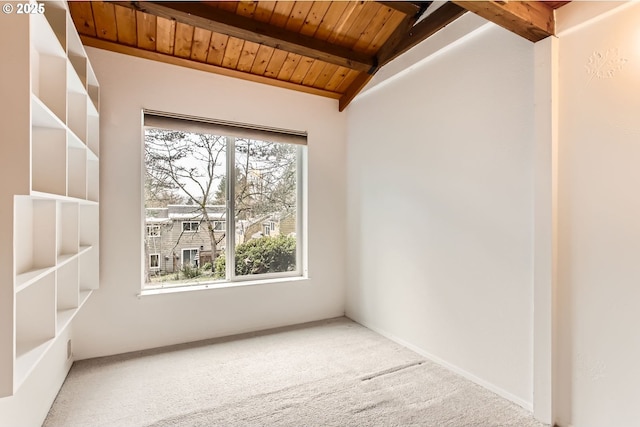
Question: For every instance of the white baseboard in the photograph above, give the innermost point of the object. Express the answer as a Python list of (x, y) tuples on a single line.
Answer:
[(486, 384)]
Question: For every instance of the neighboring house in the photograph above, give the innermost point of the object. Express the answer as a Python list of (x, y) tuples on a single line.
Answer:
[(267, 225), (177, 236)]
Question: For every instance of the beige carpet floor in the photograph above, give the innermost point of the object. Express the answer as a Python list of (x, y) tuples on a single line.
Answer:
[(329, 373)]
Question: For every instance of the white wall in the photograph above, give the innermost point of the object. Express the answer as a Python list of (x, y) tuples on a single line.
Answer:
[(440, 175), (115, 319), (598, 374)]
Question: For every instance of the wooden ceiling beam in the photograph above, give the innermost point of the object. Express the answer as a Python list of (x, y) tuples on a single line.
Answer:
[(440, 18), (532, 20), (407, 35), (220, 21), (406, 7)]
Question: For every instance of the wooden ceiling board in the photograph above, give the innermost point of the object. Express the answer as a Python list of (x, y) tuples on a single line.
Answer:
[(385, 32), (298, 15), (313, 73), (301, 70), (346, 82), (373, 29), (174, 60), (327, 73), (264, 10), (330, 20), (82, 16), (248, 56), (232, 52), (201, 42), (281, 13), (165, 35), (146, 25), (246, 8), (336, 79), (314, 18), (262, 60), (217, 48), (184, 40), (346, 20), (275, 63), (104, 17), (126, 25), (360, 24), (289, 66)]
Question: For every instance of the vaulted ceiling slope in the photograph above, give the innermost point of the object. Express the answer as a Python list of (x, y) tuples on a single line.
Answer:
[(328, 48)]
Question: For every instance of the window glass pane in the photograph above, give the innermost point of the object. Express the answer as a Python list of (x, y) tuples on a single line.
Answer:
[(185, 199), (265, 207)]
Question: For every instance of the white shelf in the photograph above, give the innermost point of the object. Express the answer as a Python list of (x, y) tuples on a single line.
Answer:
[(77, 111), (44, 39), (26, 279), (67, 229), (42, 116), (77, 173), (35, 234), (49, 82), (49, 160), (38, 195), (52, 229), (67, 286), (28, 354), (76, 81)]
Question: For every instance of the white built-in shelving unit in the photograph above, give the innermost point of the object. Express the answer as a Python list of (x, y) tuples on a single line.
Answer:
[(49, 185)]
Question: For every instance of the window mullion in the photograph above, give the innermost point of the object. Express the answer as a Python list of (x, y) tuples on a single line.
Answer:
[(230, 252), (300, 205)]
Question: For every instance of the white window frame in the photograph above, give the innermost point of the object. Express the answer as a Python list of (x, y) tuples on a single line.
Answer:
[(151, 263), (190, 249), (191, 230), (301, 270), (266, 229), (217, 222), (301, 197)]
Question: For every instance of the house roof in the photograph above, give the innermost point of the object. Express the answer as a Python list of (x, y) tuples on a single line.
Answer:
[(183, 212), (328, 48)]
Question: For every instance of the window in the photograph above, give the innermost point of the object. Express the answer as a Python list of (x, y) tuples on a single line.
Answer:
[(190, 257), (153, 230), (231, 180), (154, 261), (190, 226)]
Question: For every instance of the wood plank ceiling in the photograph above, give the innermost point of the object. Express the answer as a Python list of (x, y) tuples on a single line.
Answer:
[(328, 48)]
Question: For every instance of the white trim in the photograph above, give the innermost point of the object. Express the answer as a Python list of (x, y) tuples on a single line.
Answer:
[(229, 216), (486, 384), (168, 290), (545, 230), (230, 254)]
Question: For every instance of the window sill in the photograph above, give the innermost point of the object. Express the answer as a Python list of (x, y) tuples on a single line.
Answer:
[(220, 285)]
